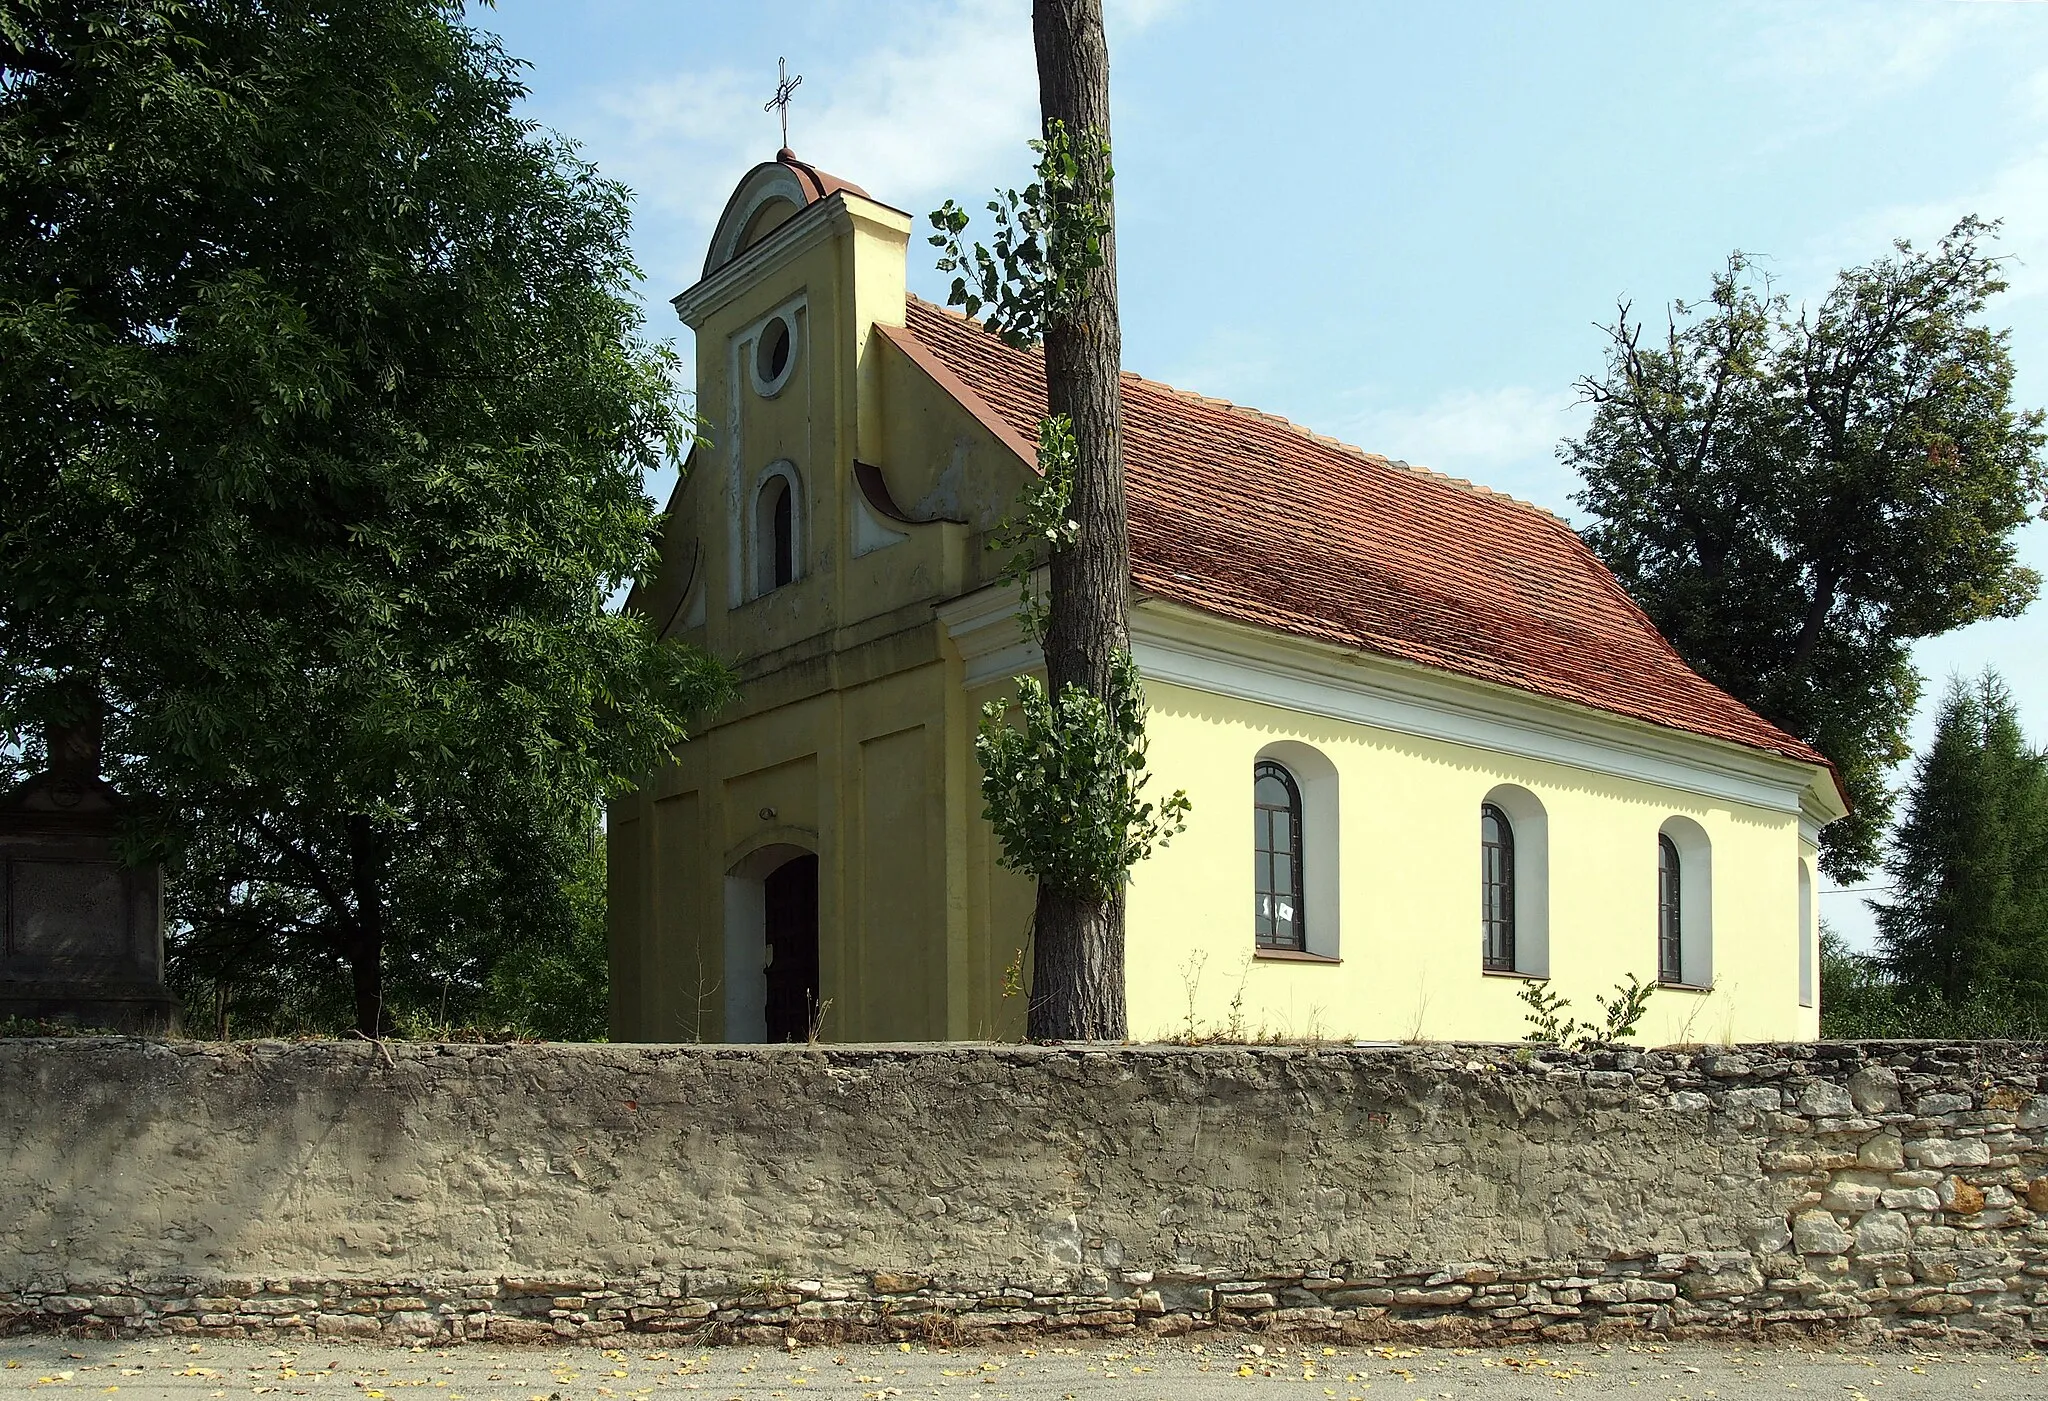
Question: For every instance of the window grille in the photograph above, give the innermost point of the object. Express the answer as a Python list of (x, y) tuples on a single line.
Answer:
[(1670, 885), (1276, 813), (1497, 888)]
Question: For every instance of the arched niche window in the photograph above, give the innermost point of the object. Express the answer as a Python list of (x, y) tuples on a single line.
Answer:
[(1806, 934), (1685, 905), (777, 521), (1277, 833), (1294, 811), (1497, 888), (1670, 911), (1514, 883)]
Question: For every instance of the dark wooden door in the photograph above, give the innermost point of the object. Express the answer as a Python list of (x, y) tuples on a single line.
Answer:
[(792, 899)]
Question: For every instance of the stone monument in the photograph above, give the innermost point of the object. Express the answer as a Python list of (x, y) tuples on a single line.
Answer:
[(81, 931)]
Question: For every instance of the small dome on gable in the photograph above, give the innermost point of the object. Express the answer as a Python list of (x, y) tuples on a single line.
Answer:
[(770, 195)]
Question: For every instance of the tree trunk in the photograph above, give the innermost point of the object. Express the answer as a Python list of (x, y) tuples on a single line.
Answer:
[(366, 944), (1077, 991)]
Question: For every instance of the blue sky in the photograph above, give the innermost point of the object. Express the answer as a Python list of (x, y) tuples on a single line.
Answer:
[(1396, 223)]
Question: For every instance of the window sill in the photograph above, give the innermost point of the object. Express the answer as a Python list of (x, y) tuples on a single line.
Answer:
[(752, 599), (1515, 973), (1663, 986), (1292, 956)]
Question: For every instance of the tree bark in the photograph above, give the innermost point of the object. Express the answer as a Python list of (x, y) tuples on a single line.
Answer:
[(1815, 622), (1077, 991)]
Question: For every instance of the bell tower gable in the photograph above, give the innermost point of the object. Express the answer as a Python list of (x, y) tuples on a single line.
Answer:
[(801, 267)]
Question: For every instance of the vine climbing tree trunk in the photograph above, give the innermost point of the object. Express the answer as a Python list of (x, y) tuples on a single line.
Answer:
[(1077, 990)]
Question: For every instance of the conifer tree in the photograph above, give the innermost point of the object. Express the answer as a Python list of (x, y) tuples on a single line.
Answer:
[(1969, 911)]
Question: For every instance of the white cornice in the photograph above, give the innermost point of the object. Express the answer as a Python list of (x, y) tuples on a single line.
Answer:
[(1192, 649), (804, 231), (836, 214), (983, 625)]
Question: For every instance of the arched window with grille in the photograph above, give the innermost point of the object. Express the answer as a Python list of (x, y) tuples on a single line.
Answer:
[(1277, 843), (1670, 912), (1806, 940), (1497, 889)]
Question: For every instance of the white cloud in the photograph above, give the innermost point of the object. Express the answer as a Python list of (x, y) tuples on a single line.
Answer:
[(2033, 97), (1124, 17), (2017, 193), (925, 116), (936, 99), (1235, 361), (1847, 49), (940, 105), (1504, 438)]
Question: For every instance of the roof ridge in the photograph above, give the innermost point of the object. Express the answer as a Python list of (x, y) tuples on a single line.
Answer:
[(1281, 420)]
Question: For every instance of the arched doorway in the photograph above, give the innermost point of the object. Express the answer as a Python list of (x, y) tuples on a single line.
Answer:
[(791, 908), (771, 945)]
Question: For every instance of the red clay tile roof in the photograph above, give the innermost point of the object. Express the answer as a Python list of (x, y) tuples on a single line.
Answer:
[(1247, 516)]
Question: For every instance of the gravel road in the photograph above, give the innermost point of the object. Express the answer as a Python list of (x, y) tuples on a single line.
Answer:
[(1214, 1368)]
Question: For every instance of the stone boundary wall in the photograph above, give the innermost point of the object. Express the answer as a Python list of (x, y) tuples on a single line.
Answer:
[(1453, 1193)]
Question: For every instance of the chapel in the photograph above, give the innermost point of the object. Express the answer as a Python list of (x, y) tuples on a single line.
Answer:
[(1434, 749)]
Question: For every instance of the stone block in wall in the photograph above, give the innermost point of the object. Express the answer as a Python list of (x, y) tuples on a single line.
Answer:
[(1958, 1196), (1883, 1233), (1823, 1099), (1818, 1233), (1190, 1298), (1884, 1152), (1874, 1089), (1724, 1274), (1944, 1152), (1851, 1197)]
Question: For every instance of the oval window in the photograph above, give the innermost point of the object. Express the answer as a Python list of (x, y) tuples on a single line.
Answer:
[(774, 352)]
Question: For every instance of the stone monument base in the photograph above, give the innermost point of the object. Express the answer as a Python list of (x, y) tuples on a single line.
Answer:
[(81, 930), (141, 1009)]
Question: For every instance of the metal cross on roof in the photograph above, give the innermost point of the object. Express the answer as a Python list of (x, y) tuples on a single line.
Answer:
[(784, 86)]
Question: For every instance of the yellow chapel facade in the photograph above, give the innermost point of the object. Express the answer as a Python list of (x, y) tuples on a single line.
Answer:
[(1434, 750)]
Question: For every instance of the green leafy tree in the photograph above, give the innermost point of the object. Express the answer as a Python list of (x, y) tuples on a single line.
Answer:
[(1969, 863), (1860, 1000), (559, 989), (1065, 788), (474, 947), (1795, 496), (1848, 982), (324, 409)]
